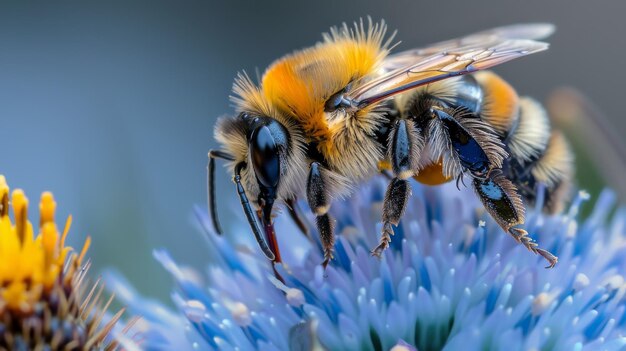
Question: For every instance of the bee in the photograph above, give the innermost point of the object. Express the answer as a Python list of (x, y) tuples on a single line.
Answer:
[(325, 118)]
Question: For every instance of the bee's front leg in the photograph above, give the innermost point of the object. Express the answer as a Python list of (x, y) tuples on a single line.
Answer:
[(319, 202), (404, 147)]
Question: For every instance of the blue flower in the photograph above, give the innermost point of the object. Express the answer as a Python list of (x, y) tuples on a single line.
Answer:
[(451, 280)]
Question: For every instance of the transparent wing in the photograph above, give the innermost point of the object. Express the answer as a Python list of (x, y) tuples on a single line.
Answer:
[(529, 31), (413, 68)]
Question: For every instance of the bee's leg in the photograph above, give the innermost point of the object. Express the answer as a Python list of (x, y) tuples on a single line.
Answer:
[(401, 154), (394, 204), (294, 213), (247, 209), (504, 204), (319, 201), (213, 154), (460, 180), (521, 235)]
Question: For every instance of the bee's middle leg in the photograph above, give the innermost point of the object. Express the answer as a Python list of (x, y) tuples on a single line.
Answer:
[(402, 147), (319, 202), (396, 198)]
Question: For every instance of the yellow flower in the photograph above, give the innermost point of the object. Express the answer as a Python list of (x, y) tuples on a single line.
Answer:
[(44, 300)]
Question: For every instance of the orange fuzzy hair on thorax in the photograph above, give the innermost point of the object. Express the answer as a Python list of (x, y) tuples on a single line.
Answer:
[(301, 83)]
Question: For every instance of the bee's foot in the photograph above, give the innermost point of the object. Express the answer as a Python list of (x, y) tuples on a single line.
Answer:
[(521, 236), (552, 260), (518, 234), (378, 250), (328, 255), (385, 239)]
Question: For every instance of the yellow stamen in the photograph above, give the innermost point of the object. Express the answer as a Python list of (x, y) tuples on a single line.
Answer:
[(15, 295), (47, 206), (4, 197), (68, 224), (50, 239), (83, 252), (31, 264), (42, 283), (20, 211)]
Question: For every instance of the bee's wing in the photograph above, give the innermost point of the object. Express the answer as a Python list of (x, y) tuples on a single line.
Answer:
[(410, 69), (529, 31)]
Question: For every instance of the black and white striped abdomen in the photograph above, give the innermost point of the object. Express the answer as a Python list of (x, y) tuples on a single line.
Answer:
[(537, 153)]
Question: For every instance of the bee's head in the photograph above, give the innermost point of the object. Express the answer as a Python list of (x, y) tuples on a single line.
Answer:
[(270, 156), (266, 150), (268, 144)]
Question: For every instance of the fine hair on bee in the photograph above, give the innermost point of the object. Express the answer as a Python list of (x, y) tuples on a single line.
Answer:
[(326, 118)]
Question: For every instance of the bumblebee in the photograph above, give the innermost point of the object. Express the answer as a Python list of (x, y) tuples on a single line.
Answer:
[(325, 118)]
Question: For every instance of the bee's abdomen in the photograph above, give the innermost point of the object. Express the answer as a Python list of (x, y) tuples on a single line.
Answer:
[(529, 136), (500, 103), (553, 167), (538, 154)]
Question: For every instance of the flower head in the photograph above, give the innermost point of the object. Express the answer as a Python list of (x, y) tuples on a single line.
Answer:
[(452, 280), (43, 300)]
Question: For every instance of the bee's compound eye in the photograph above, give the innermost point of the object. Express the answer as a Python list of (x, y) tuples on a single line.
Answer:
[(265, 158), (333, 102)]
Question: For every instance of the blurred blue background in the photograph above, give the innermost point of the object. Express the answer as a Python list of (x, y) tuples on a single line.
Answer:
[(111, 105)]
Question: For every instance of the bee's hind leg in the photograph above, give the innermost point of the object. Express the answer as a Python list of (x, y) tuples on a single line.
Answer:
[(504, 204), (404, 146), (521, 236), (319, 202)]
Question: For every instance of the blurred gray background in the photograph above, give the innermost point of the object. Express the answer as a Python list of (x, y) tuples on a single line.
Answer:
[(111, 105)]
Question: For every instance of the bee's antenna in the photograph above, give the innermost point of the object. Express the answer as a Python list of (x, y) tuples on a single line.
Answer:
[(250, 214), (213, 154)]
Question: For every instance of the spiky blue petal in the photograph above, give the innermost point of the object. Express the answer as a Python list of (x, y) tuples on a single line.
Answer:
[(451, 280)]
